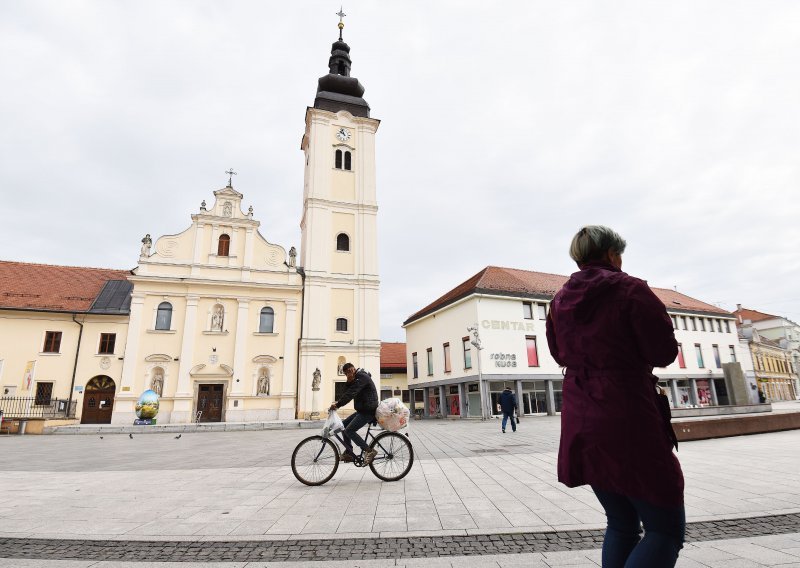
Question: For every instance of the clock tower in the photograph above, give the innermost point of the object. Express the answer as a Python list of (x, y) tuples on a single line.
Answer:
[(339, 249)]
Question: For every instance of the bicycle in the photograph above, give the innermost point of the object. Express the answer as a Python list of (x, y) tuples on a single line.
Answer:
[(316, 459)]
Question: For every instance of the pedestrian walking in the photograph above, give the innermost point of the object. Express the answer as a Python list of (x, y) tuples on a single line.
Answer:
[(508, 405), (609, 330)]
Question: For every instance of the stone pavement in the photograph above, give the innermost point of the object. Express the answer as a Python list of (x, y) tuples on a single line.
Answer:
[(471, 488)]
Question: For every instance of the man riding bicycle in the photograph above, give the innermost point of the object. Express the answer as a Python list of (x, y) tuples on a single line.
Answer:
[(361, 390)]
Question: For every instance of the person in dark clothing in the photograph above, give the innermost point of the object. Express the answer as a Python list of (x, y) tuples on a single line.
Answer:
[(610, 330), (361, 390), (508, 404)]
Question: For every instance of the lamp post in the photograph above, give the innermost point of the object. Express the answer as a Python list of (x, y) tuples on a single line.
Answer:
[(476, 341)]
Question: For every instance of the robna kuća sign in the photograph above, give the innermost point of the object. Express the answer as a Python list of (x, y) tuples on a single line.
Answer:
[(503, 359)]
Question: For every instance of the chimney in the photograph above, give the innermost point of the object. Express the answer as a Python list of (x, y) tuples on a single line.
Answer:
[(739, 312)]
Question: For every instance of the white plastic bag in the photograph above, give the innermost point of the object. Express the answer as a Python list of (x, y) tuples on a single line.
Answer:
[(332, 425), (392, 414)]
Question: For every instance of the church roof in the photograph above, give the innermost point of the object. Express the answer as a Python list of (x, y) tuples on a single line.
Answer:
[(393, 357), (73, 289), (499, 281), (338, 90)]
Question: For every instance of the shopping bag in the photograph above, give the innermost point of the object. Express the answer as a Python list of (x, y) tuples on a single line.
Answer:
[(332, 425), (392, 414)]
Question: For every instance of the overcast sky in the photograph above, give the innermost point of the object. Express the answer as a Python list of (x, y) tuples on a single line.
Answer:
[(504, 128)]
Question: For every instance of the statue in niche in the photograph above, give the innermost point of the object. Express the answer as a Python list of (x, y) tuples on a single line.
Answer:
[(340, 367), (263, 381), (227, 209), (292, 257), (216, 319), (147, 242), (316, 380), (157, 383)]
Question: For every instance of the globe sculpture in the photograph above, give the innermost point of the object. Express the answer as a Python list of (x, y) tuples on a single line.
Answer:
[(147, 405)]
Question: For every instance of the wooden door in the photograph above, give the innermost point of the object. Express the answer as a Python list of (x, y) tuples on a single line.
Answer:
[(209, 403), (97, 407)]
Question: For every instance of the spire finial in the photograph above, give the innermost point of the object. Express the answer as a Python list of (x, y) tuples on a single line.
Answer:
[(230, 173), (341, 15)]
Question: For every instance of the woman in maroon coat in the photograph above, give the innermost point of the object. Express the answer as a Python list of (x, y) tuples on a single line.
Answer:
[(609, 330)]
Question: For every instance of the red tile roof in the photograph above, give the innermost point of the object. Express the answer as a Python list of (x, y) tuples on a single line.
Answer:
[(393, 356), (752, 315), (540, 285), (25, 286)]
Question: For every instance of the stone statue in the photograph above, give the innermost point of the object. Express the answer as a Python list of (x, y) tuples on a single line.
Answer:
[(263, 381), (157, 384), (203, 205), (227, 209), (292, 257), (340, 368), (216, 319), (316, 380), (250, 212), (147, 242)]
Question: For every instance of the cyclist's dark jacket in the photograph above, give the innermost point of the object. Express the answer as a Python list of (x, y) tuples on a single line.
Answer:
[(362, 392)]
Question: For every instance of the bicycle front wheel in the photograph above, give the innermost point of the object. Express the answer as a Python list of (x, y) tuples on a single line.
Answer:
[(395, 456), (315, 460)]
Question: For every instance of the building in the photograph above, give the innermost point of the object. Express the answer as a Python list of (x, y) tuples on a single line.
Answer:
[(223, 324), (62, 336), (774, 343), (489, 332), (394, 380)]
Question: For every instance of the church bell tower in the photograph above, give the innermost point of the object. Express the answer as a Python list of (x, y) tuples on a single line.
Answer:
[(339, 249)]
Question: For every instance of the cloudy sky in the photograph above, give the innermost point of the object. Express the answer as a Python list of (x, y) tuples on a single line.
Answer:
[(504, 128)]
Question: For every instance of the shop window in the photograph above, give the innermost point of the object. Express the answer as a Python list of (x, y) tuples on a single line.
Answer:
[(467, 346), (414, 365), (342, 242), (266, 321), (52, 342), (107, 341), (530, 347), (44, 394), (527, 310), (446, 353), (430, 361), (164, 316), (224, 245), (341, 324)]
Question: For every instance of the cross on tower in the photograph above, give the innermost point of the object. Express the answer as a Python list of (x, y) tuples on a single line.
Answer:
[(341, 15), (230, 173)]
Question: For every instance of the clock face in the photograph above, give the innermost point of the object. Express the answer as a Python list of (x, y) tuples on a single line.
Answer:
[(343, 134)]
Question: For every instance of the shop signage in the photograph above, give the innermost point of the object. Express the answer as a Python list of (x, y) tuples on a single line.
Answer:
[(503, 359), (506, 324)]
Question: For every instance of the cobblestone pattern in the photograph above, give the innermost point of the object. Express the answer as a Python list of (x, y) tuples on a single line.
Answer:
[(367, 548)]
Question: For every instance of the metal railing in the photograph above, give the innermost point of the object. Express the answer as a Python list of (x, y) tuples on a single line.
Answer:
[(21, 407)]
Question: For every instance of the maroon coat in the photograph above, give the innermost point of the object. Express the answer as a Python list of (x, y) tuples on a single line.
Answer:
[(609, 330)]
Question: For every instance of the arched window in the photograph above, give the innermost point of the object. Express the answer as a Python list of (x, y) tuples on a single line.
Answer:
[(342, 242), (224, 246), (338, 160), (266, 323), (341, 324), (341, 68), (164, 316), (347, 161)]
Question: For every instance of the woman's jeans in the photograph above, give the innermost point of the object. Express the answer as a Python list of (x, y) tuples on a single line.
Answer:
[(664, 531)]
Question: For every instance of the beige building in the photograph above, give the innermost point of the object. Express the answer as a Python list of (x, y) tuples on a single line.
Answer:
[(394, 377)]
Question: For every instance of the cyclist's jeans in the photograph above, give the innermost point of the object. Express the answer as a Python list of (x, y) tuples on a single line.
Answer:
[(352, 424), (663, 539), (506, 416)]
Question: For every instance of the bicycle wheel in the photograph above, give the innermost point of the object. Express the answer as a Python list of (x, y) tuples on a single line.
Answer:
[(315, 460), (395, 456)]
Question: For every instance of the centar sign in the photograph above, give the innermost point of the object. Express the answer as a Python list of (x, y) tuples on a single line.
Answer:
[(505, 324)]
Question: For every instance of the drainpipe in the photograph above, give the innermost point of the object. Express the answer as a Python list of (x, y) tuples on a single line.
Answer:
[(75, 367), (299, 340)]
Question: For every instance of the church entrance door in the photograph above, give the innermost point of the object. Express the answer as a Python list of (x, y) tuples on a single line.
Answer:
[(98, 400), (209, 402)]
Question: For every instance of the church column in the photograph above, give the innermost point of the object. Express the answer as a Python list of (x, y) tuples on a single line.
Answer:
[(187, 347), (289, 398), (240, 349), (132, 343)]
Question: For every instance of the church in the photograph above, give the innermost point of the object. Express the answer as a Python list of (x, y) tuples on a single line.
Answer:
[(223, 324)]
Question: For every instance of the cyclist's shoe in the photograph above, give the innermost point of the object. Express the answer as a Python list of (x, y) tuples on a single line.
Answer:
[(369, 455), (348, 457)]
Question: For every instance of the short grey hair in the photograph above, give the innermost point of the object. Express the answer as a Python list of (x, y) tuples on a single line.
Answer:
[(592, 242)]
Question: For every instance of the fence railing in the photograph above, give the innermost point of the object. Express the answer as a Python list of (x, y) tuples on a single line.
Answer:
[(17, 407)]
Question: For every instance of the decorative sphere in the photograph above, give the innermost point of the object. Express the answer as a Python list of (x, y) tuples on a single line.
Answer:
[(147, 405)]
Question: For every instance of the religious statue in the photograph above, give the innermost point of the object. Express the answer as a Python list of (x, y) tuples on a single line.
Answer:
[(146, 244), (340, 367), (227, 209), (263, 381), (203, 205), (292, 257), (250, 212), (316, 380), (157, 384), (216, 319)]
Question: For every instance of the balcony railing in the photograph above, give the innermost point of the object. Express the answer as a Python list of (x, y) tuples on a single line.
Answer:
[(19, 407)]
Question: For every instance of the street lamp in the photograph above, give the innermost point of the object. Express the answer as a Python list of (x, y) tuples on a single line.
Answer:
[(484, 393)]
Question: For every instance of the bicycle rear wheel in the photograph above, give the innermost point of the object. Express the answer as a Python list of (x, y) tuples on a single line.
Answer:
[(315, 460), (395, 456)]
